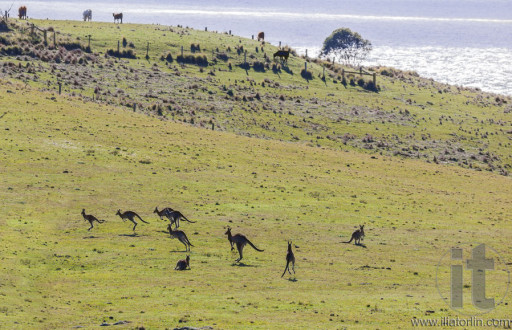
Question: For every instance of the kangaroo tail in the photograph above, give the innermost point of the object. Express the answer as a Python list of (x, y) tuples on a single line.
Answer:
[(189, 242), (254, 247), (140, 218), (187, 219), (351, 239), (285, 269)]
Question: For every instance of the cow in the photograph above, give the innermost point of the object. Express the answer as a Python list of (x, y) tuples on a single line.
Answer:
[(87, 15), (261, 36), (118, 17), (283, 54), (22, 12)]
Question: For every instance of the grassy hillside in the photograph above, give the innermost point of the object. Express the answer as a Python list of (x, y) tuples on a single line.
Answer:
[(409, 117), (59, 154)]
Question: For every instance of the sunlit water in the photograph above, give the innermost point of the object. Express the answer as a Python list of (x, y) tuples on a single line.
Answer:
[(461, 42)]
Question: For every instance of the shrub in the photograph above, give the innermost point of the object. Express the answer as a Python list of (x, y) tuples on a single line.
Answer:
[(258, 66), (125, 42), (124, 54), (222, 57), (191, 59), (306, 74), (361, 82), (195, 48)]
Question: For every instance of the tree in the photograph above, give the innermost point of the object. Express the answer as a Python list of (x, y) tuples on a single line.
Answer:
[(347, 46)]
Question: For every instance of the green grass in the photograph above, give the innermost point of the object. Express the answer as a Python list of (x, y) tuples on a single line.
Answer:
[(410, 117), (59, 155), (274, 170)]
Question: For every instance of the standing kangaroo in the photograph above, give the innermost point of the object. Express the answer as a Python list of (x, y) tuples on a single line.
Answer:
[(240, 241), (357, 235), (162, 212), (130, 215), (183, 264), (181, 236), (289, 258), (91, 218)]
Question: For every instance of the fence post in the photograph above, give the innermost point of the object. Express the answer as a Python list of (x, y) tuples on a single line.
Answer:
[(361, 71), (279, 44), (245, 58), (343, 73), (252, 37), (205, 29), (89, 44), (60, 87), (134, 107), (229, 32), (147, 52), (32, 29), (374, 79), (118, 48), (45, 38), (181, 51), (306, 53), (306, 66), (54, 39)]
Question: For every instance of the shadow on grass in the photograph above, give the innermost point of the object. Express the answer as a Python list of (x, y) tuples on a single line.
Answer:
[(87, 237), (292, 279), (130, 235), (178, 251), (241, 264)]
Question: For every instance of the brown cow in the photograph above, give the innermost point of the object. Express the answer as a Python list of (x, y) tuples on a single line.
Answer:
[(118, 17), (261, 36), (22, 12)]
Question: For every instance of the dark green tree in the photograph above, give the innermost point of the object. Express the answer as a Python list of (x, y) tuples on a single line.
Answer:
[(346, 46)]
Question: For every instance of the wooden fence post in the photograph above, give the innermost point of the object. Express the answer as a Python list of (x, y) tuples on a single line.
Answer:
[(147, 52), (134, 107), (374, 79), (306, 53), (306, 66), (279, 44), (45, 38), (89, 44), (60, 87), (181, 51), (118, 48), (205, 29), (343, 73)]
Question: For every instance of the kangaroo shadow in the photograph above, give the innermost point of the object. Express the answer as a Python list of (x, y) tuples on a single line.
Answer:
[(130, 235), (87, 237), (178, 251), (241, 264), (361, 245), (292, 279)]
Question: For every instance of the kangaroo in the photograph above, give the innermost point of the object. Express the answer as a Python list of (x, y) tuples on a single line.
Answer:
[(183, 264), (91, 218), (289, 258), (181, 236), (357, 235), (162, 212), (175, 216), (240, 241), (130, 215)]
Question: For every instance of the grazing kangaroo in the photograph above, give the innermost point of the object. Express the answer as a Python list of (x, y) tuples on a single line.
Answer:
[(91, 218), (183, 264), (240, 241), (130, 215), (289, 258), (181, 236), (357, 235)]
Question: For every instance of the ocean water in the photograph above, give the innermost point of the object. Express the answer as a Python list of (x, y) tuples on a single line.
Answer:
[(461, 42)]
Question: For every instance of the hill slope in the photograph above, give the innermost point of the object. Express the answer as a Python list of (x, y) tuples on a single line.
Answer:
[(59, 154), (409, 117)]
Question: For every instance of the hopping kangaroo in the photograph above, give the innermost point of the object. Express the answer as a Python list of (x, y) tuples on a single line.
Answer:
[(91, 218), (173, 216), (130, 215), (357, 235), (183, 264), (181, 236), (240, 241), (289, 258)]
